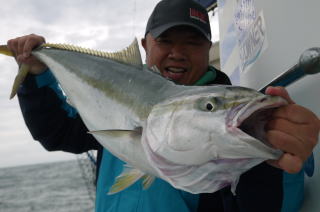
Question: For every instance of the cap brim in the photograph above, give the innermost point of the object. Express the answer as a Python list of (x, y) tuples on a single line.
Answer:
[(156, 32)]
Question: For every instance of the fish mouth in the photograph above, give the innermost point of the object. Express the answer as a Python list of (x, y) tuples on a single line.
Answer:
[(251, 118)]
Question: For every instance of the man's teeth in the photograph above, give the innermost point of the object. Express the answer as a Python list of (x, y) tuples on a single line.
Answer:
[(176, 70)]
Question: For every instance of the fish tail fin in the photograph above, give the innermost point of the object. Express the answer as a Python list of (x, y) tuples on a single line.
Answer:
[(128, 177), (4, 50), (23, 71)]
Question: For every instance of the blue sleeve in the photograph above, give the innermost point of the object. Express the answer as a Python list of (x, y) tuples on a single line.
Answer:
[(50, 119), (47, 79)]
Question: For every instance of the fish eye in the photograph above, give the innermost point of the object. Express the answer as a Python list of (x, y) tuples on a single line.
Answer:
[(209, 106)]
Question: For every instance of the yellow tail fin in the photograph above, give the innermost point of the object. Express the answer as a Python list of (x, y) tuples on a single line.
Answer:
[(4, 50), (23, 71)]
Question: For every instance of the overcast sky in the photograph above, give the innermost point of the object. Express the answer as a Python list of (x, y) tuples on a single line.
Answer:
[(99, 24)]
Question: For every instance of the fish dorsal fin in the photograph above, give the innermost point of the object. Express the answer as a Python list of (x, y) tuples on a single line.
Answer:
[(130, 55), (128, 177)]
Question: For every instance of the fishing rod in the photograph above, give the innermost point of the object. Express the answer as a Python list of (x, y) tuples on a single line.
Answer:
[(309, 63)]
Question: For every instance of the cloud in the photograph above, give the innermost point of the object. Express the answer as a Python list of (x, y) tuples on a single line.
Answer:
[(98, 24)]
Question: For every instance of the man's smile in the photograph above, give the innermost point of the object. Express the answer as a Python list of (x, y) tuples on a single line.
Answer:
[(174, 73)]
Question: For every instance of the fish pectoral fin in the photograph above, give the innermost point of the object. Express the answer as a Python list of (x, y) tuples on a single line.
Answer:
[(122, 137), (128, 177), (130, 55), (23, 71), (155, 69), (147, 181), (119, 134)]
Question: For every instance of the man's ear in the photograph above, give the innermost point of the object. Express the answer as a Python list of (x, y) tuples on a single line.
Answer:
[(144, 44)]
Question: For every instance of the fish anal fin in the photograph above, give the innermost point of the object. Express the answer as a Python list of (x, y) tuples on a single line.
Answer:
[(147, 181), (128, 177)]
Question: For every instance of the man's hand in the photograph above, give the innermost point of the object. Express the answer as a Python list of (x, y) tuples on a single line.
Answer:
[(294, 130), (22, 47)]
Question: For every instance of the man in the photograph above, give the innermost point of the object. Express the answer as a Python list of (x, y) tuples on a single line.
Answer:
[(177, 41)]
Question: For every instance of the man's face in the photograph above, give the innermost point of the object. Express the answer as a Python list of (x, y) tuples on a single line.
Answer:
[(180, 53)]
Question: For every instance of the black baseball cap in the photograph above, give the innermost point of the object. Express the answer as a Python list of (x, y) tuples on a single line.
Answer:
[(170, 13)]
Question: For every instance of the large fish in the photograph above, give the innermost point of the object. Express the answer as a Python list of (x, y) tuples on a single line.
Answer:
[(198, 138)]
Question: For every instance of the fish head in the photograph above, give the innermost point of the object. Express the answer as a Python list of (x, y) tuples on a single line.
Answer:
[(211, 123)]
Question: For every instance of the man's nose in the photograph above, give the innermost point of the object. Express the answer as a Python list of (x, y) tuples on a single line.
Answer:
[(178, 52)]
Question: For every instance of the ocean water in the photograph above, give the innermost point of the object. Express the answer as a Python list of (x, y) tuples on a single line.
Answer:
[(51, 187)]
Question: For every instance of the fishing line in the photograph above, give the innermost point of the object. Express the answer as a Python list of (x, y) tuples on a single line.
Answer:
[(134, 18)]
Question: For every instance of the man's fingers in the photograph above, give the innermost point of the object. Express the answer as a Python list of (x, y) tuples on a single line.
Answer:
[(21, 43), (288, 143), (289, 163), (27, 48), (25, 44), (13, 46), (279, 91), (32, 42), (304, 132), (294, 130), (290, 112), (22, 47)]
